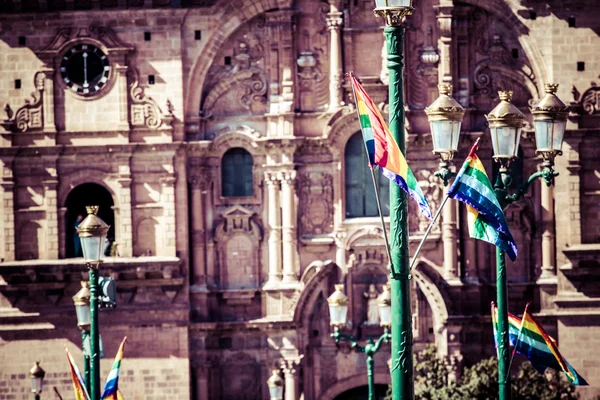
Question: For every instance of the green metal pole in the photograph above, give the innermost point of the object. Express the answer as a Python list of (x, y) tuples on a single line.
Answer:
[(371, 377), (402, 364), (94, 335), (86, 361), (503, 353)]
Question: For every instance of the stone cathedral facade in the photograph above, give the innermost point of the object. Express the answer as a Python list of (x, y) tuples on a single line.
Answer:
[(220, 140)]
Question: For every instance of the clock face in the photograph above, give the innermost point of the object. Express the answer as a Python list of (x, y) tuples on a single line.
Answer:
[(85, 69)]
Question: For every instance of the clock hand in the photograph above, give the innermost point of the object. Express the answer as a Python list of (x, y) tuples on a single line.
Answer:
[(85, 82)]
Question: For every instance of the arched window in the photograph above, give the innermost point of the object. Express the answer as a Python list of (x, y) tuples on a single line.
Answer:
[(236, 173), (87, 194), (360, 196)]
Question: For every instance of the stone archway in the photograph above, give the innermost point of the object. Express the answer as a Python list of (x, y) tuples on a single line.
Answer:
[(345, 385), (81, 196)]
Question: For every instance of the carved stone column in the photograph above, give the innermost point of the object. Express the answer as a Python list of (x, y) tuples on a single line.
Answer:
[(340, 252), (449, 236), (444, 17), (125, 239), (334, 25), (288, 211), (46, 77), (548, 259), (274, 221), (167, 199), (198, 184), (281, 57), (50, 199), (291, 373)]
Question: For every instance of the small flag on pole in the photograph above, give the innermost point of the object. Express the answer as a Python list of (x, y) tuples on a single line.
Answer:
[(382, 147), (111, 388), (78, 381), (486, 219), (528, 338)]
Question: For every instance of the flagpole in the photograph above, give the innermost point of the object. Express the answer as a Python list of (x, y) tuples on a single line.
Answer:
[(435, 217), (387, 243), (518, 338)]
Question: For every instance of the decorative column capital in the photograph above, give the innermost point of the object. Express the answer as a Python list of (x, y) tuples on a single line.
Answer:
[(200, 179), (291, 366), (288, 177), (334, 20), (272, 179), (444, 17)]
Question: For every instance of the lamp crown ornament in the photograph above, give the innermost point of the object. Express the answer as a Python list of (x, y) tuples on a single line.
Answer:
[(82, 297), (550, 106), (92, 225), (338, 297), (37, 371), (505, 113), (445, 107)]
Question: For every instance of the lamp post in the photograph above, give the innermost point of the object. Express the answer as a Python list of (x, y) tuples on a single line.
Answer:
[(394, 12), (92, 232), (82, 309), (505, 122), (338, 309), (275, 384), (36, 375)]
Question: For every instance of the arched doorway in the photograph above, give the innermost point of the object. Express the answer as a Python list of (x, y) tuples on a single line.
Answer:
[(362, 392), (87, 194)]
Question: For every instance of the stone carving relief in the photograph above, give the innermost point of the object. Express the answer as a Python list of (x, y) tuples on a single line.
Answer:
[(312, 58), (238, 240), (496, 67), (241, 78), (433, 191), (144, 110), (246, 371), (590, 100), (28, 117), (316, 203)]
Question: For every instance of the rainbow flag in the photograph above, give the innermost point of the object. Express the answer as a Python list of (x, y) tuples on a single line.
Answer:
[(111, 388), (528, 338), (486, 219), (78, 381), (382, 148)]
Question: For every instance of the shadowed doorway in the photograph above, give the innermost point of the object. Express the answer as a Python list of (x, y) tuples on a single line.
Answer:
[(87, 194)]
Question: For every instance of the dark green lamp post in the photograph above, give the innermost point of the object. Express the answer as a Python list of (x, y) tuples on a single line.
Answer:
[(82, 309), (394, 12), (338, 310), (92, 232), (36, 375), (506, 122)]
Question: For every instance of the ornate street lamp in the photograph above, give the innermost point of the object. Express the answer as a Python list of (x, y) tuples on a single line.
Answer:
[(445, 117), (394, 13), (82, 309), (505, 122), (36, 375), (92, 232), (550, 119), (275, 384), (338, 308)]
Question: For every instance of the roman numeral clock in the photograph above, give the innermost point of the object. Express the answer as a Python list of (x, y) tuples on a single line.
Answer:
[(85, 69)]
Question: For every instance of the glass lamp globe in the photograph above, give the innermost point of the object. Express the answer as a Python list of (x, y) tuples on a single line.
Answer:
[(92, 232), (338, 307)]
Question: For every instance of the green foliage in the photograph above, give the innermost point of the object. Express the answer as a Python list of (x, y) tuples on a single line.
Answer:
[(480, 381)]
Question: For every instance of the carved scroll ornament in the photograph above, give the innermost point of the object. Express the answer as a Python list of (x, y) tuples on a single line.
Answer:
[(29, 116), (144, 110)]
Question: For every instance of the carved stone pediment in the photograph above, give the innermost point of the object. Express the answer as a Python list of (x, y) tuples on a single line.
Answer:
[(102, 34)]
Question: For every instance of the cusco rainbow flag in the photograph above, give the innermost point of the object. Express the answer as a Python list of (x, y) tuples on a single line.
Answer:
[(528, 338), (382, 148), (486, 219), (111, 388), (78, 382)]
